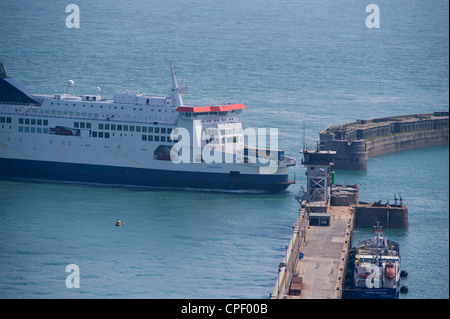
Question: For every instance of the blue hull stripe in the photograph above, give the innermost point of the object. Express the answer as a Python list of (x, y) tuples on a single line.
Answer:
[(378, 293), (113, 175)]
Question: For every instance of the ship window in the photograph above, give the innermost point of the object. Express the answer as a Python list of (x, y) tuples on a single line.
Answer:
[(94, 134), (27, 129), (88, 125), (131, 128), (39, 130), (144, 137), (39, 122), (33, 129), (45, 131), (100, 134), (106, 134), (20, 128), (27, 121), (150, 129), (163, 138), (156, 129), (45, 122), (82, 125), (125, 127), (163, 130), (2, 119), (113, 127), (106, 126), (150, 138), (119, 127), (157, 138), (21, 121), (138, 128), (144, 129), (100, 126)]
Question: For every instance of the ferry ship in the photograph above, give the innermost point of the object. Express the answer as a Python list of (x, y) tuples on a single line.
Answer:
[(377, 268), (133, 139)]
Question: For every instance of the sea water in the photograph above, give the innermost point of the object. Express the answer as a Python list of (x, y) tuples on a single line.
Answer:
[(298, 66)]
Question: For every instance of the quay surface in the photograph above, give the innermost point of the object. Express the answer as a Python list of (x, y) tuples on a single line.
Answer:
[(325, 252), (320, 272)]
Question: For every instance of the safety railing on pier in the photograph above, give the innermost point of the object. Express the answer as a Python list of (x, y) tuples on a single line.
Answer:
[(286, 269)]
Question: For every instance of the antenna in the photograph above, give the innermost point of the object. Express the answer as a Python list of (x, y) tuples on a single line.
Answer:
[(304, 138)]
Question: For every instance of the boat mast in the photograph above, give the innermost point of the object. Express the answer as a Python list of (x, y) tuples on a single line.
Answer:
[(175, 93)]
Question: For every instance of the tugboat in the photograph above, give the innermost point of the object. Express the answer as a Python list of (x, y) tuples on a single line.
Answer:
[(376, 273)]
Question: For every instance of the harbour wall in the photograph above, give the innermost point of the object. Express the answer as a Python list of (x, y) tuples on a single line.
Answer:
[(356, 142), (389, 216), (406, 141)]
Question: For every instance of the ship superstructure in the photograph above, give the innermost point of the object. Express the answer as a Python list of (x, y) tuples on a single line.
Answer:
[(133, 139)]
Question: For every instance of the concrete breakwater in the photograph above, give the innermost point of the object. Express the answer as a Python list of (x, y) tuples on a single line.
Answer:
[(389, 216), (355, 142)]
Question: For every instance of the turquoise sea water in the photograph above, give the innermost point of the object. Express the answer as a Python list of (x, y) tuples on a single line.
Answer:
[(296, 65)]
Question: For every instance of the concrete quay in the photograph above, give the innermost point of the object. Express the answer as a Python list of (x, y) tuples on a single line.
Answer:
[(320, 272), (324, 261)]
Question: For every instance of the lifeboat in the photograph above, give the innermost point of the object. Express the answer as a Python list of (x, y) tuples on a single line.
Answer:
[(363, 274), (389, 271)]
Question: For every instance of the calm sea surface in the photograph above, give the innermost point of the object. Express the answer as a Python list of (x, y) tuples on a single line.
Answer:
[(298, 66)]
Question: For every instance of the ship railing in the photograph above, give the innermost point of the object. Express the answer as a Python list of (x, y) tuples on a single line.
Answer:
[(19, 104)]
